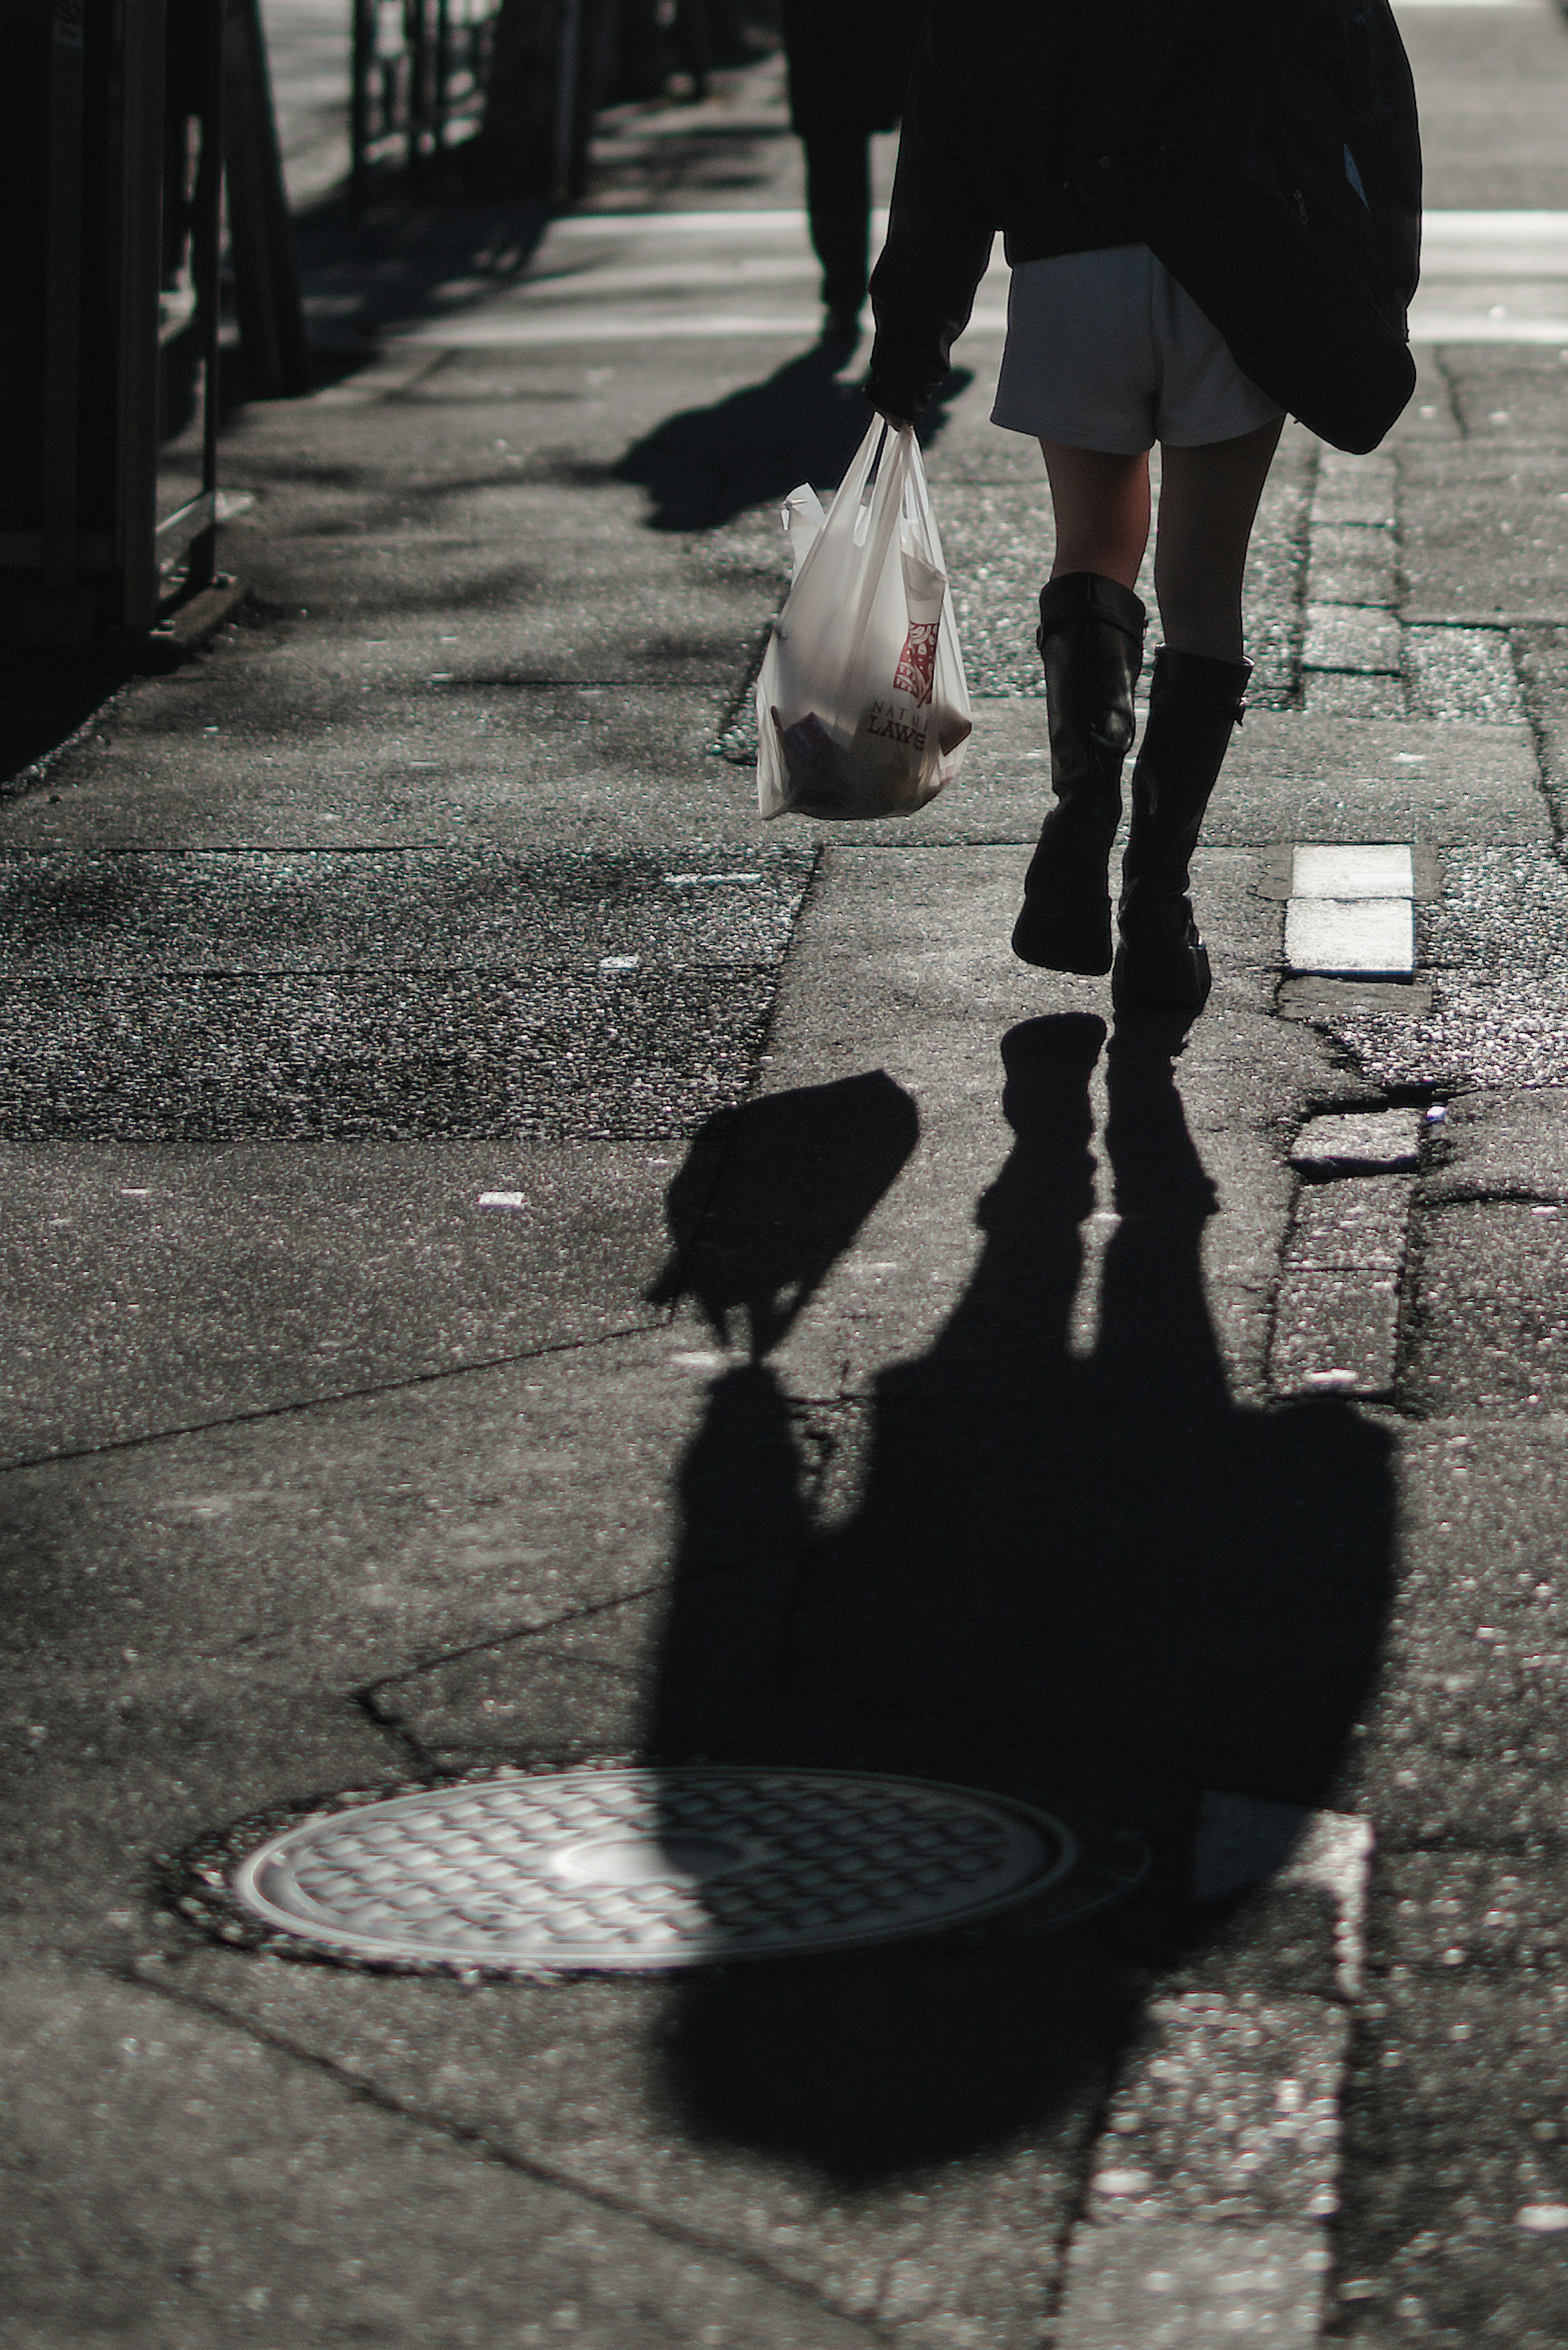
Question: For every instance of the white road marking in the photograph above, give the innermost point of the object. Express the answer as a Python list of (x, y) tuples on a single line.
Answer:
[(1487, 278), (502, 1199)]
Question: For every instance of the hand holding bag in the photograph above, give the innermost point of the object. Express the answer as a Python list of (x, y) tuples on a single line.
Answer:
[(862, 708)]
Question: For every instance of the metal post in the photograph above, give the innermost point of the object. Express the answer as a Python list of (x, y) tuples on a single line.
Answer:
[(566, 70), (363, 66), (206, 225), (260, 235), (62, 327)]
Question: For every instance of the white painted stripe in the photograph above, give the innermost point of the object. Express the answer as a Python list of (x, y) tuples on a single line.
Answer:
[(491, 331), (1364, 871), (1434, 325), (1496, 278), (670, 278), (1367, 938), (577, 227)]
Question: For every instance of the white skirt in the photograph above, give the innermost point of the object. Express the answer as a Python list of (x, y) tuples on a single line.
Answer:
[(1106, 351)]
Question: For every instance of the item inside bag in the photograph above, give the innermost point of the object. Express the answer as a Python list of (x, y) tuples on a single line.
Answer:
[(882, 768)]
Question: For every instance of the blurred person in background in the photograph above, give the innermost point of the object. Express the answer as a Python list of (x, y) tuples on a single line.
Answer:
[(848, 67)]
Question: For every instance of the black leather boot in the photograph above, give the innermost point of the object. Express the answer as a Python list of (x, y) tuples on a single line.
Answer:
[(1091, 643), (1194, 703)]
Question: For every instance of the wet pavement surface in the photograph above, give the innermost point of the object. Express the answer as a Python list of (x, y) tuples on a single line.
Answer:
[(510, 1263)]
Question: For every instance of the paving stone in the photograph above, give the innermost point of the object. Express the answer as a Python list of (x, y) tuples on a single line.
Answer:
[(1488, 1319), (1474, 1649), (171, 2179), (1371, 937), (1170, 2286), (1365, 869), (1352, 563), (519, 759), (1336, 1332), (1328, 1000), (1356, 1141), (1305, 1873), (1359, 1225), (1497, 1145), (1480, 539), (1498, 1913), (1330, 693), (1349, 637), (892, 2136), (1218, 2154), (215, 1059), (1463, 673), (140, 1300), (576, 1690), (1499, 1015), (1455, 2153), (1354, 489), (110, 1764), (469, 909)]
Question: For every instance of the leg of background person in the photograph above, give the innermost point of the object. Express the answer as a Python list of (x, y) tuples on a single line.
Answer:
[(692, 43), (838, 206), (1102, 507), (1208, 504)]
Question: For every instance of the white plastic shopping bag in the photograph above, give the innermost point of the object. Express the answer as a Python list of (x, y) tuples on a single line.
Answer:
[(862, 709)]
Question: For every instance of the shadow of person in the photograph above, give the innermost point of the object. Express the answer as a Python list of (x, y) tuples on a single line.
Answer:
[(767, 1199), (1088, 1576), (800, 1173), (705, 465)]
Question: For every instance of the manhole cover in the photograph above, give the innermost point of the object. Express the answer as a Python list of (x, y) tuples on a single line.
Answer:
[(649, 1868)]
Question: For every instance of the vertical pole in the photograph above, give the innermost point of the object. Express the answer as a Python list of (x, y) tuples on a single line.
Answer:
[(206, 237), (63, 324), (566, 67), (362, 66), (415, 21), (273, 340), (140, 195), (442, 70)]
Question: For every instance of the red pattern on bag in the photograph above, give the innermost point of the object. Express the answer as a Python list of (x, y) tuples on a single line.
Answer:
[(916, 671)]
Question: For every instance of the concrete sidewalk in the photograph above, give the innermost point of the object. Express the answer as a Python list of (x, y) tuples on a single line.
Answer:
[(509, 1263)]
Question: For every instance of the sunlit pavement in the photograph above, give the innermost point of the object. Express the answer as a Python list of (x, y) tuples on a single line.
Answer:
[(511, 1263)]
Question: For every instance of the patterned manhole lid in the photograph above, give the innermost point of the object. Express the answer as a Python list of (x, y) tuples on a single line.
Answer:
[(636, 1868)]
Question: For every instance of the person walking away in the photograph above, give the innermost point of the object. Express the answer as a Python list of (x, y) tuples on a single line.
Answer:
[(1267, 151), (848, 65)]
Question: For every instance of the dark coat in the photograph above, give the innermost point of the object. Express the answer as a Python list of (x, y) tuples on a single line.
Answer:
[(1072, 127), (848, 63)]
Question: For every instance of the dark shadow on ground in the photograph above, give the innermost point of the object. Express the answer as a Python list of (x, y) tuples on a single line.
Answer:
[(368, 268), (1099, 1582), (802, 424), (46, 698)]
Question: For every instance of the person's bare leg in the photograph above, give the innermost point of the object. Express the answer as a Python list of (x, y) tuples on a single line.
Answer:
[(1102, 507), (1208, 501), (1208, 504)]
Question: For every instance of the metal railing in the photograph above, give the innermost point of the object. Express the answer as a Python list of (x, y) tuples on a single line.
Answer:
[(419, 71)]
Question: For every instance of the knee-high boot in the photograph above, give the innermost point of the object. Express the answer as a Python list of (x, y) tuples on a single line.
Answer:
[(1194, 704), (1091, 644)]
